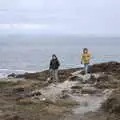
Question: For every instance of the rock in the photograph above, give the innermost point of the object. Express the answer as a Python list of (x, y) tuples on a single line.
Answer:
[(38, 75), (112, 104), (76, 72), (75, 91), (84, 77), (1, 113), (76, 87), (12, 75), (73, 78), (18, 89), (103, 78), (35, 93), (43, 99), (13, 117), (49, 80), (88, 90), (64, 94), (20, 76), (106, 67)]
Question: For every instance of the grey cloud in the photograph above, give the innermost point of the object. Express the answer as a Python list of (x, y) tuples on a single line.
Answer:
[(65, 16)]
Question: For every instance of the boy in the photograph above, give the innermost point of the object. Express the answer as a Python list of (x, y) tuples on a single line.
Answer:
[(85, 59), (54, 66)]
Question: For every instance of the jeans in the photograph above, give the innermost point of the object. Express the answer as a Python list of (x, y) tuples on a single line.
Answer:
[(54, 74), (86, 67)]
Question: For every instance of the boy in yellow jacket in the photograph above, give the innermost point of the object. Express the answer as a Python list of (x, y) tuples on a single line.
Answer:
[(85, 59)]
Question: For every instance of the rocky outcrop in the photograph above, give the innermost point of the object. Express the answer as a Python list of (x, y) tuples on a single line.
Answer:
[(36, 96), (42, 76), (106, 67)]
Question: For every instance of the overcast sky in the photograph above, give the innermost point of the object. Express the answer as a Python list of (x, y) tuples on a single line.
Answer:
[(84, 17)]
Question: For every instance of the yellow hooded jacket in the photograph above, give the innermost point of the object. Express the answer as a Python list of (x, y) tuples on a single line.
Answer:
[(85, 58)]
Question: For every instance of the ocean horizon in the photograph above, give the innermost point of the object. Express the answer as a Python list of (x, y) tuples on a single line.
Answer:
[(27, 53)]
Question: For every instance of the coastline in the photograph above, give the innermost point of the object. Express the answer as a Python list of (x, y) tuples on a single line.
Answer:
[(30, 96)]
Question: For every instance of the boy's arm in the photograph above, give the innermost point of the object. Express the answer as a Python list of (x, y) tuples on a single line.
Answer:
[(50, 64), (81, 58), (89, 56), (58, 62)]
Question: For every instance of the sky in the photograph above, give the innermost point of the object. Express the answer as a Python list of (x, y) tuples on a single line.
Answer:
[(82, 17)]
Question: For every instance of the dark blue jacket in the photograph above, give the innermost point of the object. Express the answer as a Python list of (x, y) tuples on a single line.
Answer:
[(54, 64)]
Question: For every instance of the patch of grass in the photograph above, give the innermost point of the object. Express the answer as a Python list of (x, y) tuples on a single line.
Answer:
[(66, 103), (9, 83)]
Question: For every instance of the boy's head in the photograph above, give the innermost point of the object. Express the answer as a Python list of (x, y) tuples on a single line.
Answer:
[(54, 56), (85, 50)]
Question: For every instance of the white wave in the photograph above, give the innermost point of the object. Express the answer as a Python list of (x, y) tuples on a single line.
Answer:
[(5, 72)]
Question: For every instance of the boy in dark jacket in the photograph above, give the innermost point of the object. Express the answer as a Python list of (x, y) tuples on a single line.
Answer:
[(54, 66)]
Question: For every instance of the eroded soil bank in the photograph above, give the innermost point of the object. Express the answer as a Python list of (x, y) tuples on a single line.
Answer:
[(95, 96)]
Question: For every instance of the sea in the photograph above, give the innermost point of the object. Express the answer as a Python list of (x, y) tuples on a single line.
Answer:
[(32, 53)]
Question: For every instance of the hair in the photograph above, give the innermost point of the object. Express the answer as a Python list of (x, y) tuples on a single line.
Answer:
[(54, 56), (85, 49)]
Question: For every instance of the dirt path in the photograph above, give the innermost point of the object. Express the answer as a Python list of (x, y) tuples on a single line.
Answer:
[(86, 95)]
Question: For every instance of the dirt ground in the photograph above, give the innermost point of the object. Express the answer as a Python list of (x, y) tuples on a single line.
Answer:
[(95, 96)]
